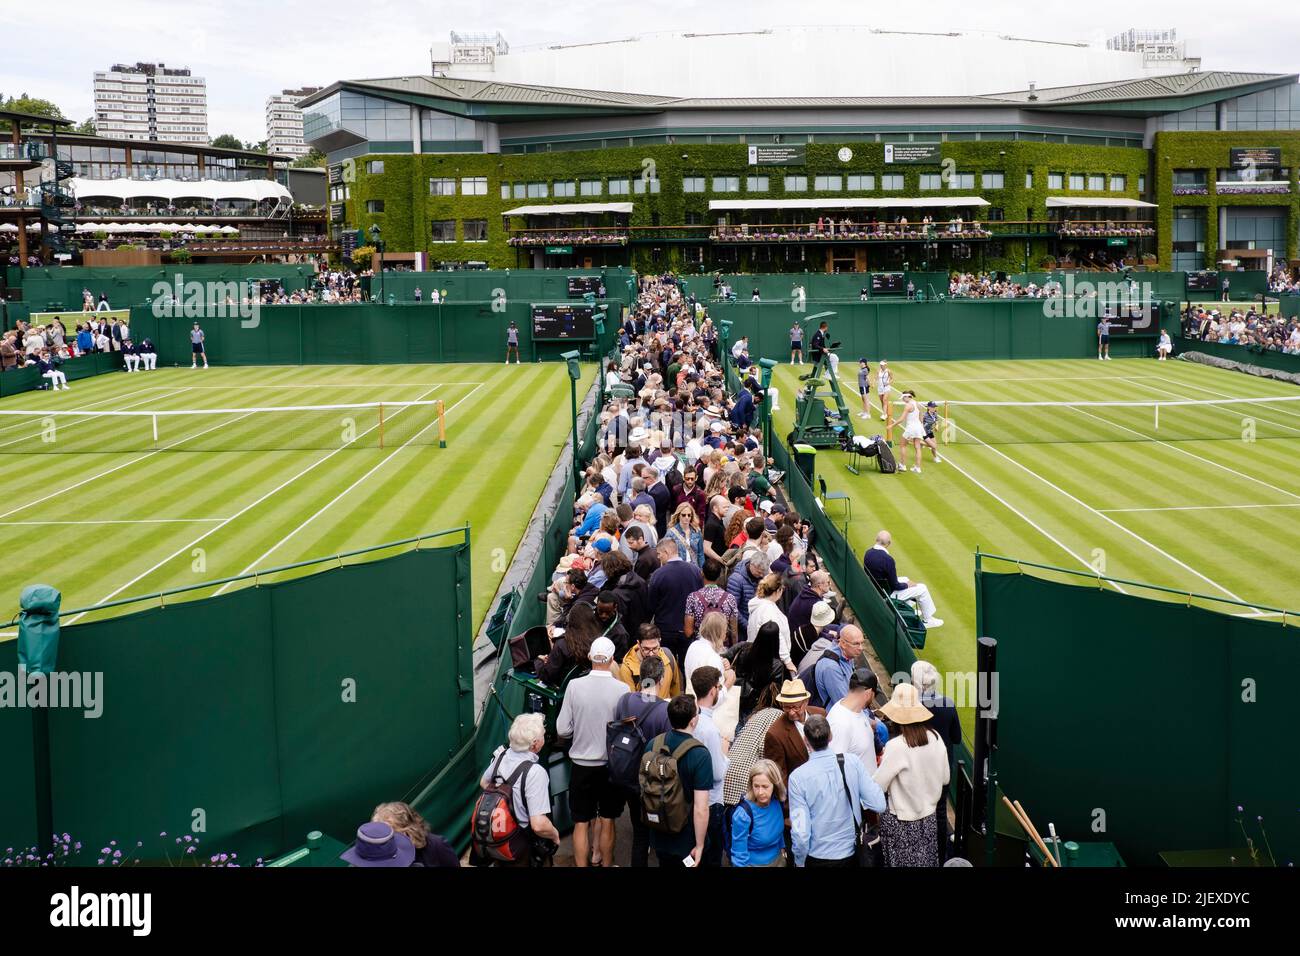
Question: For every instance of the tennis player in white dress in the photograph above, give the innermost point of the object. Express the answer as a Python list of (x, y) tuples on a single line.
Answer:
[(883, 379), (913, 432)]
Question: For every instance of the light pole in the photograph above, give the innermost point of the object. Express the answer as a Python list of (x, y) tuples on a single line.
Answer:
[(575, 373), (377, 240)]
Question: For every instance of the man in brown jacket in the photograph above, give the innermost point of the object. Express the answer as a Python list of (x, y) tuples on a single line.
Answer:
[(8, 354), (785, 744)]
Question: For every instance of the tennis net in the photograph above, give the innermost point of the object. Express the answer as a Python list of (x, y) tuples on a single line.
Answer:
[(1010, 423), (274, 428)]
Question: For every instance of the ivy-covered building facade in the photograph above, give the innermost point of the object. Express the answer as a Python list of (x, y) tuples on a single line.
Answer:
[(1176, 172)]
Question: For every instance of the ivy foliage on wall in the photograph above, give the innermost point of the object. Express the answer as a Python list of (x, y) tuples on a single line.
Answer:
[(409, 209)]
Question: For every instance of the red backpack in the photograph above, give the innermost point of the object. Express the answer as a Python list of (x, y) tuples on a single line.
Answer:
[(495, 831)]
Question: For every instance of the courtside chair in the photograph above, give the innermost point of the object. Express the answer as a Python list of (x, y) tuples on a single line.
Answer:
[(836, 496)]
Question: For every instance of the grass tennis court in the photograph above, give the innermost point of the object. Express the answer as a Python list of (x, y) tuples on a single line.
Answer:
[(103, 511), (1091, 488)]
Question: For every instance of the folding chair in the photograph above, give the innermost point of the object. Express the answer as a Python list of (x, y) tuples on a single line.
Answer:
[(836, 496)]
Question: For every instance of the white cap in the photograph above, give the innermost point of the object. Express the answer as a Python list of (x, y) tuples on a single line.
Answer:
[(765, 505), (602, 649)]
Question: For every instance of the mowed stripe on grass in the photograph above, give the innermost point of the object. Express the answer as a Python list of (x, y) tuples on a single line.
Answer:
[(938, 518), (502, 444)]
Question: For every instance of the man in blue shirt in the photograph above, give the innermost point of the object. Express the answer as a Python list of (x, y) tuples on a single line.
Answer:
[(831, 674), (706, 681), (824, 819), (695, 772), (742, 413)]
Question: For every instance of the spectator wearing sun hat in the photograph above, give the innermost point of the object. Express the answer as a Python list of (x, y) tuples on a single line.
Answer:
[(913, 772), (377, 844), (784, 744)]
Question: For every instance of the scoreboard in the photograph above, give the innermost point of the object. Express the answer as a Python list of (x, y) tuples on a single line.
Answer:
[(1202, 282), (564, 323), (581, 285), (887, 283)]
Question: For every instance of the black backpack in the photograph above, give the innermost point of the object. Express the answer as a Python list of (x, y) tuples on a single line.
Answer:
[(809, 676), (624, 745)]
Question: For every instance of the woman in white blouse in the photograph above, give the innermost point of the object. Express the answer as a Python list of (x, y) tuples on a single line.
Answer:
[(765, 606), (913, 772)]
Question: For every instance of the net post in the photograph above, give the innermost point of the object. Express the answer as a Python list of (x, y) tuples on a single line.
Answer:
[(442, 424), (381, 424), (889, 419), (1157, 416), (946, 423), (155, 428)]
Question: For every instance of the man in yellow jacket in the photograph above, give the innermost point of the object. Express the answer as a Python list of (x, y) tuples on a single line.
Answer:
[(649, 645)]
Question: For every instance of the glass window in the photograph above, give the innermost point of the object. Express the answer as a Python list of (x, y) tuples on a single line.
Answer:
[(521, 190), (862, 183), (505, 190), (726, 184), (442, 187), (892, 182), (620, 187), (565, 189), (537, 190), (443, 230), (374, 166), (1056, 180), (961, 181), (796, 184), (756, 184), (591, 187), (992, 180), (931, 181), (374, 205), (1029, 180), (1096, 182), (828, 184), (473, 186), (639, 184), (692, 184), (475, 230), (1076, 180), (1118, 184), (1142, 184)]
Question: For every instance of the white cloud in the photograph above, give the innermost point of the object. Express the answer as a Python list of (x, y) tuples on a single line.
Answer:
[(249, 50)]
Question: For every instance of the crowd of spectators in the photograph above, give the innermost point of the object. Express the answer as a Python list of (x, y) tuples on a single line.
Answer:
[(1260, 331), (987, 285), (846, 229), (586, 237), (1105, 228), (691, 609), (1284, 281), (47, 347)]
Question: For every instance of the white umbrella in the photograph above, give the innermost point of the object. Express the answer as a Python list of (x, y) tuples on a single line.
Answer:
[(229, 229)]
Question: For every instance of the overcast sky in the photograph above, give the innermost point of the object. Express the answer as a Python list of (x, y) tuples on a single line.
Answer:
[(249, 49)]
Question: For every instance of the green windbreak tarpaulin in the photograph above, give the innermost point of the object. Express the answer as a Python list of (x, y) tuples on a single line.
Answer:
[(1142, 722)]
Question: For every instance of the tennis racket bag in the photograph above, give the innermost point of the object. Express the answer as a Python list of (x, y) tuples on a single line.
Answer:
[(885, 458)]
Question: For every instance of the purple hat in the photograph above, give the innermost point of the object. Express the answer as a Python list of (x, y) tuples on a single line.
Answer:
[(378, 845)]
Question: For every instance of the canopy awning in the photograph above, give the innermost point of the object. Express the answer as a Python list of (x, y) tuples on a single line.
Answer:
[(562, 209), (1096, 202), (252, 189), (893, 202)]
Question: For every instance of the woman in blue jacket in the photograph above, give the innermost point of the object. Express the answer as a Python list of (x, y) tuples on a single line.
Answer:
[(758, 822)]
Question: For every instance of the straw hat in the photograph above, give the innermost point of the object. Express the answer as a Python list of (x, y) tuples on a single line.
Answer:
[(793, 692), (904, 707)]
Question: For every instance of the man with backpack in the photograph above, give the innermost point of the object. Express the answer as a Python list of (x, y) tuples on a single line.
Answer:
[(827, 676), (707, 683), (827, 796), (676, 776), (511, 815), (641, 716), (589, 706)]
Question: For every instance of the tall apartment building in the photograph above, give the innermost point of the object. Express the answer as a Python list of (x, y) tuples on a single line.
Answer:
[(284, 122), (149, 101)]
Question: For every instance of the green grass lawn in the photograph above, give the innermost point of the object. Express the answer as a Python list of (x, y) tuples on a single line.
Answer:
[(1190, 505), (102, 513)]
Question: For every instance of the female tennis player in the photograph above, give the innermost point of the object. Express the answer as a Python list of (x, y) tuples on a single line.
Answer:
[(913, 432)]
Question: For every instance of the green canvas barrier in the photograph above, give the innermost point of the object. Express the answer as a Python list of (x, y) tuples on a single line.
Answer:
[(1289, 305), (1240, 353), (1157, 719), (329, 694), (128, 286), (17, 381)]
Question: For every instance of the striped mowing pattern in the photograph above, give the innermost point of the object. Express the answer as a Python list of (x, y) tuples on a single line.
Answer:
[(252, 499), (1077, 488)]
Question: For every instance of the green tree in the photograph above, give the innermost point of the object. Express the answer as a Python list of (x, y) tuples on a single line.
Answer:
[(314, 159), (29, 104), (228, 141), (259, 147), (86, 127)]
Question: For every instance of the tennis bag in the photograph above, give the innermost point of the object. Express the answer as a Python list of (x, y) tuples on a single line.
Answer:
[(496, 835), (663, 799), (885, 458)]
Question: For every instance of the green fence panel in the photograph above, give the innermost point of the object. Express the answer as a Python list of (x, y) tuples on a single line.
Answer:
[(1133, 715), (17, 784), (1289, 305)]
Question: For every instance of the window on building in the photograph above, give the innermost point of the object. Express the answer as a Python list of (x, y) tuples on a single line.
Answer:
[(620, 187), (796, 184), (692, 184), (1142, 184), (639, 185), (755, 184), (694, 254), (473, 186), (961, 181), (521, 190), (996, 214), (538, 190), (694, 219), (505, 190), (931, 181), (589, 187), (1096, 182), (1029, 180), (475, 230), (726, 184), (828, 184), (566, 189), (892, 182), (374, 205), (443, 230), (861, 183), (374, 166), (992, 180), (1076, 180), (442, 187), (1056, 180), (1118, 184)]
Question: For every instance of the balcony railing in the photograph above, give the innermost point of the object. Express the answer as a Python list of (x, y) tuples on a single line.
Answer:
[(267, 209), (24, 151), (1083, 229), (1191, 189), (595, 236), (1258, 188), (851, 232)]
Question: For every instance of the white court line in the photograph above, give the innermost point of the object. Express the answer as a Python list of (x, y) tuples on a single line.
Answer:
[(9, 524), (1003, 383), (226, 521), (1226, 398), (1106, 518), (1111, 511), (341, 495), (947, 460), (345, 385)]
